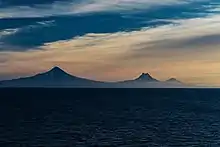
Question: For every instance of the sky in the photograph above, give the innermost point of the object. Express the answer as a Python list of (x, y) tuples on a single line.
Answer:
[(112, 40)]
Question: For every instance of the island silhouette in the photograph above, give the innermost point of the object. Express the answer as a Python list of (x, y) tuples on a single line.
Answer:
[(57, 77)]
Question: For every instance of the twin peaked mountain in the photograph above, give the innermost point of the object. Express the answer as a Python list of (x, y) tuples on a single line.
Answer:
[(56, 77)]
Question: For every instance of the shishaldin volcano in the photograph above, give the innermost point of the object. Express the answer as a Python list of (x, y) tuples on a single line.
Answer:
[(56, 77)]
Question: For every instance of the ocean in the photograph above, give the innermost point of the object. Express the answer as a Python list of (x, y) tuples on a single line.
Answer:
[(109, 117)]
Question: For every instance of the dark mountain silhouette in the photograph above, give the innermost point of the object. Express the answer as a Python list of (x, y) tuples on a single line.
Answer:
[(143, 78), (56, 77), (146, 77), (56, 74), (173, 80)]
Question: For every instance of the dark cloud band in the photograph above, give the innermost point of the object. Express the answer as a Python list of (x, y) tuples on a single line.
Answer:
[(7, 3)]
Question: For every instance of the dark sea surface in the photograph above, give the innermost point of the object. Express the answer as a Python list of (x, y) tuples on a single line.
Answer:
[(110, 117)]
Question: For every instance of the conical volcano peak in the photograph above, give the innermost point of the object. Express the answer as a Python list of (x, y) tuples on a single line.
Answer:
[(146, 74), (57, 75), (173, 80), (56, 68), (56, 72), (145, 77)]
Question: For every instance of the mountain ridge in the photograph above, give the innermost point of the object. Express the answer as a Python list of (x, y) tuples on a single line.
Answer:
[(57, 77)]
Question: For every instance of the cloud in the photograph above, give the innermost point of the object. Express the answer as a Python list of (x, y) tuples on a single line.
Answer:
[(5, 3), (84, 7), (121, 5), (31, 33), (7, 32), (9, 39)]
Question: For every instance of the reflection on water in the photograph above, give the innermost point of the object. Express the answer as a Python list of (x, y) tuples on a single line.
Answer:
[(111, 118)]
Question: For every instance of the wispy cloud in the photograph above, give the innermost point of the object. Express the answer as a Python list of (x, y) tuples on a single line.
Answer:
[(7, 32), (121, 5), (32, 32), (85, 6), (12, 32)]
